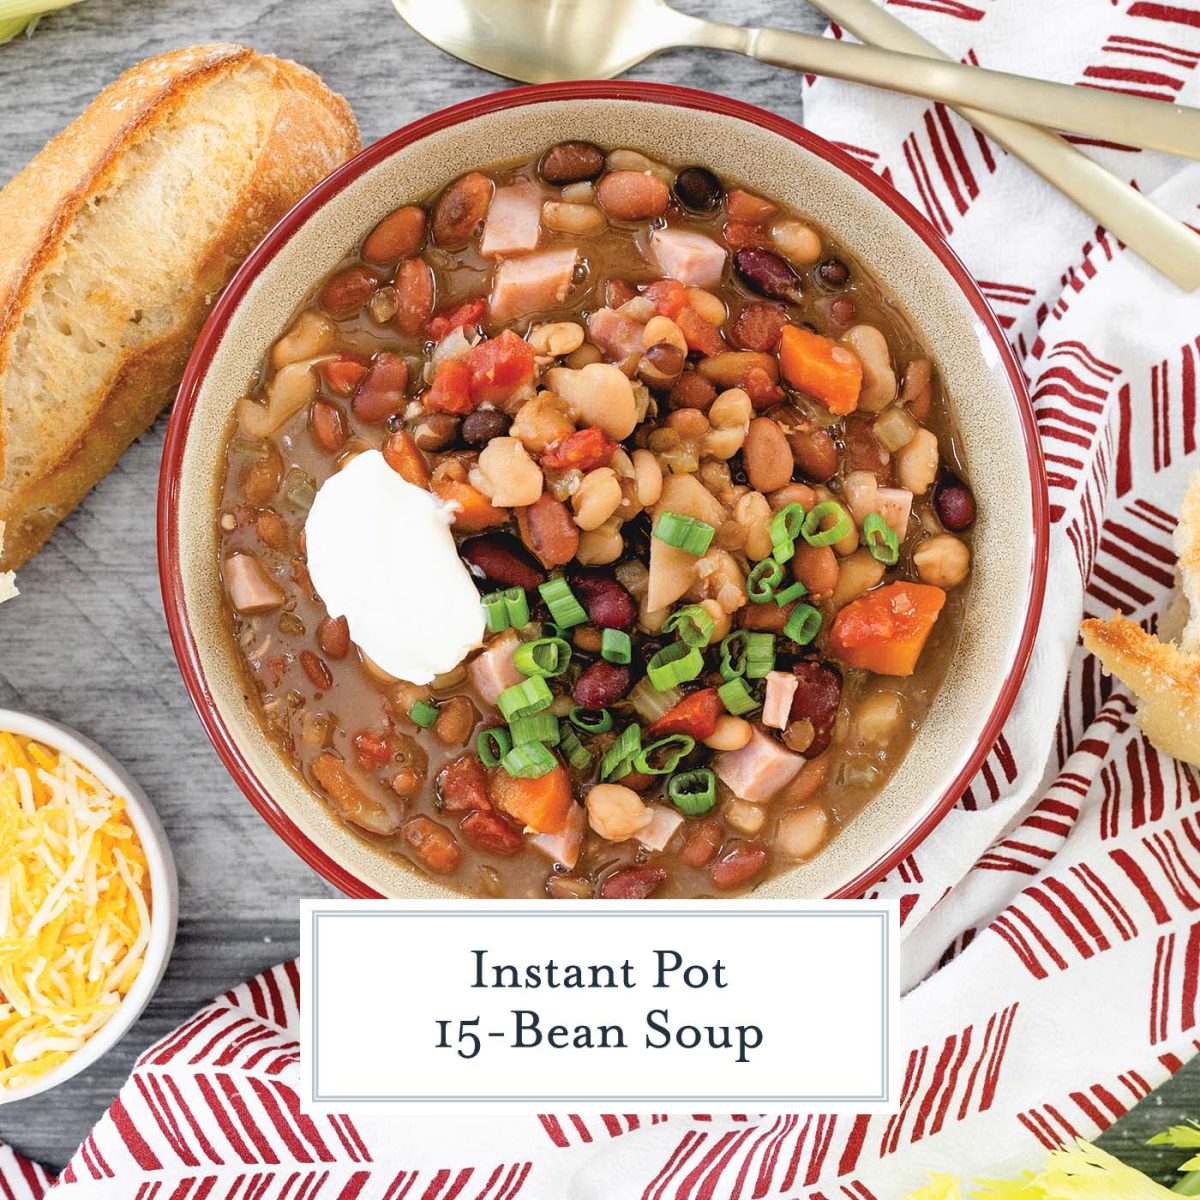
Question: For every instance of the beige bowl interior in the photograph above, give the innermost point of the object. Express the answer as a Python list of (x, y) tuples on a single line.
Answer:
[(766, 162)]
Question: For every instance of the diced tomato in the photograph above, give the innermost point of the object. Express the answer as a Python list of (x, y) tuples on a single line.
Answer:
[(491, 832), (763, 391), (585, 449), (499, 367), (470, 312), (886, 630), (342, 375), (542, 804), (451, 390), (463, 786), (695, 715), (746, 206), (474, 510), (700, 336), (669, 296), (372, 750)]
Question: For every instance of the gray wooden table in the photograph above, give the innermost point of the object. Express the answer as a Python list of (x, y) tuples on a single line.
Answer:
[(86, 644)]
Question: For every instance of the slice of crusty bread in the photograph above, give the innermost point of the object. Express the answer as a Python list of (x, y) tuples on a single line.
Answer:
[(117, 238), (1164, 676)]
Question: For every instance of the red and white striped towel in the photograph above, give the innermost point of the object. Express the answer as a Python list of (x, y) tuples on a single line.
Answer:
[(1052, 922)]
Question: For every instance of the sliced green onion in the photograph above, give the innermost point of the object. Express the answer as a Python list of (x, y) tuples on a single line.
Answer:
[(881, 540), (564, 608), (548, 656), (676, 663), (764, 578), (539, 728), (685, 533), (423, 714), (814, 535), (591, 720), (618, 758), (733, 654), (615, 646), (803, 624), (492, 745), (692, 625), (509, 608), (737, 697), (785, 529), (663, 756), (578, 755), (525, 698), (794, 592), (760, 654), (693, 792), (530, 760)]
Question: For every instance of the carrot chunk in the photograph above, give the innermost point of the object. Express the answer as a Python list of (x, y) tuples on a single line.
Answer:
[(819, 366), (542, 804), (475, 510), (886, 630)]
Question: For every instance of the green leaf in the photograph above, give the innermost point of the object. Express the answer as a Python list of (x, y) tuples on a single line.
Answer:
[(1079, 1172), (18, 16), (1182, 1137)]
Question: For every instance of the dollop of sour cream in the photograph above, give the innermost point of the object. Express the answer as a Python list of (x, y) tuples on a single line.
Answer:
[(380, 554)]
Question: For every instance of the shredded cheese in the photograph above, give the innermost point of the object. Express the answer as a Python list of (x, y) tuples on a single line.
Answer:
[(74, 907)]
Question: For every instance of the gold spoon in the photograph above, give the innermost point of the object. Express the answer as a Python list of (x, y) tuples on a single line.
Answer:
[(542, 41)]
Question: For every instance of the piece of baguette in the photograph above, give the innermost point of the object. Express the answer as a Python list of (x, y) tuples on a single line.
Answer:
[(1164, 676), (118, 237)]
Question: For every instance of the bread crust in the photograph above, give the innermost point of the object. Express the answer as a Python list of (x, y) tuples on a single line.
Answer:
[(312, 130)]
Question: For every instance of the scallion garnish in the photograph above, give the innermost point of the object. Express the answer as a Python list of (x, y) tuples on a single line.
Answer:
[(760, 654), (693, 792), (737, 697), (812, 530), (764, 578), (881, 540), (791, 592), (423, 714), (685, 533), (663, 756), (785, 529), (542, 727), (578, 755), (676, 663), (591, 720), (509, 608), (733, 654), (692, 625), (564, 608), (525, 698), (616, 646), (492, 745), (803, 624), (547, 656), (618, 758), (530, 760)]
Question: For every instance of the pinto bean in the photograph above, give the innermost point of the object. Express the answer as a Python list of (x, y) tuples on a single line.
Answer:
[(767, 456), (692, 390), (460, 208), (347, 292), (739, 864), (501, 559), (549, 531), (316, 670), (817, 568), (381, 393), (328, 425), (399, 235), (701, 844), (632, 195), (333, 636), (633, 883), (569, 162), (456, 719), (433, 844), (414, 297)]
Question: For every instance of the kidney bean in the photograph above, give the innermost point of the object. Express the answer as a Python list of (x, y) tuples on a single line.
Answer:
[(459, 210), (699, 189), (333, 636), (571, 162), (863, 452), (501, 559), (692, 390), (328, 425), (758, 327), (842, 312), (701, 844), (371, 749), (767, 273), (549, 530), (954, 502), (816, 699), (633, 883), (272, 530), (767, 456), (382, 391), (463, 786), (480, 426), (632, 195), (602, 684), (834, 272), (347, 292), (608, 604), (738, 865), (399, 235), (433, 844), (414, 297), (401, 454), (492, 833), (815, 452), (317, 672)]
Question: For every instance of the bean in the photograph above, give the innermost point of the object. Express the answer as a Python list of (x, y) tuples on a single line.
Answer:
[(597, 498), (317, 672), (549, 531), (800, 244), (917, 463), (816, 699), (942, 560), (328, 425), (878, 717), (752, 513), (414, 297), (347, 292), (744, 817), (512, 476), (609, 604), (817, 568), (879, 379), (616, 813), (633, 883), (569, 162), (581, 220), (351, 802), (857, 575), (731, 733), (632, 195), (689, 423), (842, 312), (740, 862), (731, 368), (767, 456), (491, 833), (480, 426), (501, 559), (602, 684), (863, 452), (767, 618), (311, 334), (699, 189), (556, 338), (599, 547), (383, 305), (568, 887), (707, 306), (692, 390), (541, 421), (767, 273), (917, 389), (801, 831), (381, 393), (433, 844), (793, 493), (436, 430), (333, 636), (808, 779), (399, 235), (834, 272), (649, 477), (459, 210), (954, 502), (272, 530), (456, 719)]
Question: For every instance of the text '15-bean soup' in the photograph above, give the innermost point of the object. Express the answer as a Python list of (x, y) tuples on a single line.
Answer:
[(597, 529)]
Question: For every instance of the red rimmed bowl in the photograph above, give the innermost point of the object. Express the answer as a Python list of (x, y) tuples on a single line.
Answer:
[(767, 154)]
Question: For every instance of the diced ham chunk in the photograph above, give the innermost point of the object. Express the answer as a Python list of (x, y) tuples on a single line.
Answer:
[(760, 769), (777, 708), (565, 845), (493, 670), (617, 335), (514, 222), (690, 257), (864, 496), (661, 829), (250, 589), (895, 507), (531, 284)]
